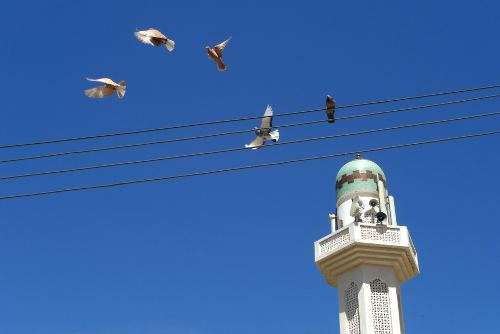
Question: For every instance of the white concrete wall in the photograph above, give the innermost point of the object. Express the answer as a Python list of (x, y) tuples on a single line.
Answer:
[(362, 276), (344, 209)]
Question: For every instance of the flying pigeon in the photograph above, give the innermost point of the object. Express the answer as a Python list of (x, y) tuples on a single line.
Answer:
[(216, 54), (108, 89), (357, 208), (265, 131), (155, 38), (330, 109)]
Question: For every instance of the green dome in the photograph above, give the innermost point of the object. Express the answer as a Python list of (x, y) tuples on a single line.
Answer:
[(359, 176)]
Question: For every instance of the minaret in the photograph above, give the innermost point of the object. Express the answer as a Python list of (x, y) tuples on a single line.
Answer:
[(367, 255)]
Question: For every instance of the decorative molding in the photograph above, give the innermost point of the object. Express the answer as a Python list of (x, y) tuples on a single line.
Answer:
[(357, 175), (412, 246)]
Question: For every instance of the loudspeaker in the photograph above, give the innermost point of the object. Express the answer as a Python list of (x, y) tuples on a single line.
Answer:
[(381, 216)]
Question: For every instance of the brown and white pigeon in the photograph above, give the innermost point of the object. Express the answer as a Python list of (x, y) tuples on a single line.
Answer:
[(155, 38), (265, 131), (330, 109), (108, 89), (216, 52)]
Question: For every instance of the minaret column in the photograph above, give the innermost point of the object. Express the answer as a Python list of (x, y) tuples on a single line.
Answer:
[(369, 301), (368, 254)]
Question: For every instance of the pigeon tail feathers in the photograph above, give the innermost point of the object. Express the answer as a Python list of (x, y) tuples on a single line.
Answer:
[(170, 44), (221, 66), (275, 135), (120, 90)]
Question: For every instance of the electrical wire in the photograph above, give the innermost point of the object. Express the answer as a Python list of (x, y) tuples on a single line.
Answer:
[(165, 141), (105, 135), (174, 140), (233, 169), (299, 141)]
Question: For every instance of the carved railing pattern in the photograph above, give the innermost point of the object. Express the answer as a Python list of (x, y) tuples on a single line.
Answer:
[(381, 233), (335, 241)]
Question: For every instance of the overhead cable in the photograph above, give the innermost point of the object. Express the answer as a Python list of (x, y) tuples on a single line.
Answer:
[(105, 135), (197, 154), (233, 169), (173, 140)]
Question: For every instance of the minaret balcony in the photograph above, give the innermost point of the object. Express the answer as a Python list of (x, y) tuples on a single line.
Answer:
[(362, 243)]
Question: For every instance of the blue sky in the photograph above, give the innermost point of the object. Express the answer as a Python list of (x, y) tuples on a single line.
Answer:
[(233, 253)]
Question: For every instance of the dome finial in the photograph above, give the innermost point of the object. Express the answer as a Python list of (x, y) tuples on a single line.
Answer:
[(358, 156)]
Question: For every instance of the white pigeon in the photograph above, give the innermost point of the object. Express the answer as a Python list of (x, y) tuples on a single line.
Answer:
[(357, 208), (265, 131), (108, 89), (154, 37)]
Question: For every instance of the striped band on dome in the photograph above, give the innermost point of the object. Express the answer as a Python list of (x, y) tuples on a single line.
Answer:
[(362, 176)]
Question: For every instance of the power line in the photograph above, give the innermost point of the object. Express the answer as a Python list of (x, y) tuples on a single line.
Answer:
[(52, 141), (440, 104), (109, 148), (190, 155), (233, 169), (173, 140)]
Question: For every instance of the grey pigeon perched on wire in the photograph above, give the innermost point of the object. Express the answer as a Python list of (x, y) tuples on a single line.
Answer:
[(108, 89), (330, 109), (265, 131)]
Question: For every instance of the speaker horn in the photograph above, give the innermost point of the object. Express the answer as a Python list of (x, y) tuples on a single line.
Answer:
[(381, 216)]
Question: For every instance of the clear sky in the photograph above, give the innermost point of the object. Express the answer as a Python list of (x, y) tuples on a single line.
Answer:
[(233, 253)]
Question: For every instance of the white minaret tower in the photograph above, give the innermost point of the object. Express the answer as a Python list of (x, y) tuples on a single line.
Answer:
[(368, 255)]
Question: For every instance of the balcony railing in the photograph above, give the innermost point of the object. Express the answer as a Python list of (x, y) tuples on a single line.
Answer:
[(378, 234)]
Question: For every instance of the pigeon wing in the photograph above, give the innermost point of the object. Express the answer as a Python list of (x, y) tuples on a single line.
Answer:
[(143, 37), (99, 92), (151, 32), (107, 81), (267, 120), (256, 143), (220, 47)]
